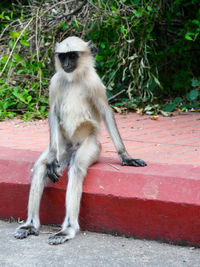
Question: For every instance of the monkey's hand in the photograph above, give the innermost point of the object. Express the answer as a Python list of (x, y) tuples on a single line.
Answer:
[(133, 162), (52, 171)]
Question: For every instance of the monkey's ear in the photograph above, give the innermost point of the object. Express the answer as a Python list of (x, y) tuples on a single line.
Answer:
[(93, 49), (56, 45)]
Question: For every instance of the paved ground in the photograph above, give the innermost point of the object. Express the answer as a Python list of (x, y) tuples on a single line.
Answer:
[(89, 250), (170, 140)]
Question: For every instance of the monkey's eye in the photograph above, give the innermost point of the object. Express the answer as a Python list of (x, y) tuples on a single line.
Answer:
[(61, 56), (73, 55)]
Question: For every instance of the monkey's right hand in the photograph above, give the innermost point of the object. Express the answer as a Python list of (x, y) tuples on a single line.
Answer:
[(52, 171)]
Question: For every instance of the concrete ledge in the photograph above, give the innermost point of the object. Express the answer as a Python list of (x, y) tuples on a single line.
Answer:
[(160, 201)]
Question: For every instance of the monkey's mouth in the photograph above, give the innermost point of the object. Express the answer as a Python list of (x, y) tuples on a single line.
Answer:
[(69, 69)]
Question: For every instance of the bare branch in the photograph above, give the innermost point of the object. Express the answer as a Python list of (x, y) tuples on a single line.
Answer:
[(74, 12), (116, 95), (22, 32)]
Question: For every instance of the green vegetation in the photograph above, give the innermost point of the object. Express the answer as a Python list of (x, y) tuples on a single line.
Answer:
[(148, 52)]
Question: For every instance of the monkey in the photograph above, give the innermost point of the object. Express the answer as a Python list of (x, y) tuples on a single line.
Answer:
[(78, 102)]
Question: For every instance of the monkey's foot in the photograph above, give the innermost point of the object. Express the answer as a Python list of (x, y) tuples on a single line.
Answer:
[(62, 236), (58, 238), (134, 162), (24, 231)]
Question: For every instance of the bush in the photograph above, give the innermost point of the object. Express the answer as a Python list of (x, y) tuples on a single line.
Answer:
[(148, 52)]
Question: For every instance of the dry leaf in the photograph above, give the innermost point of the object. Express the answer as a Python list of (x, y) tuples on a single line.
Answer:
[(155, 118)]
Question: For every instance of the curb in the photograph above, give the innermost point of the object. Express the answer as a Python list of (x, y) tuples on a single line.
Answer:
[(158, 202)]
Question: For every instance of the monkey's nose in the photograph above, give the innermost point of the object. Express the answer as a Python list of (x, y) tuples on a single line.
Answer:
[(68, 69)]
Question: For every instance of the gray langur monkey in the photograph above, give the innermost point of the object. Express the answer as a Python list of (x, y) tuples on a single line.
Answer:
[(77, 103)]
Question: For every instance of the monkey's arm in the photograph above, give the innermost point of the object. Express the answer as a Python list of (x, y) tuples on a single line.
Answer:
[(52, 160), (109, 120)]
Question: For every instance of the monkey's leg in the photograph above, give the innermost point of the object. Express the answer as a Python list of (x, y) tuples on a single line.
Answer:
[(32, 224), (85, 156)]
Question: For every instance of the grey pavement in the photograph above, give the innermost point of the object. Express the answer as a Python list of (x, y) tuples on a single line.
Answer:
[(90, 249)]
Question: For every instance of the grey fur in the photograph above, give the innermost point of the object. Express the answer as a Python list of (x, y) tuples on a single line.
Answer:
[(77, 103)]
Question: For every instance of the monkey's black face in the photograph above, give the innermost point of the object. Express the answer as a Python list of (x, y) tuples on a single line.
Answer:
[(69, 61)]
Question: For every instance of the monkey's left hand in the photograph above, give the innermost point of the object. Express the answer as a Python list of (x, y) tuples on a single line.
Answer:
[(133, 162), (52, 171)]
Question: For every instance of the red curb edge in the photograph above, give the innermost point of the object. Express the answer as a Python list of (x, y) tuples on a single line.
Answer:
[(159, 202)]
